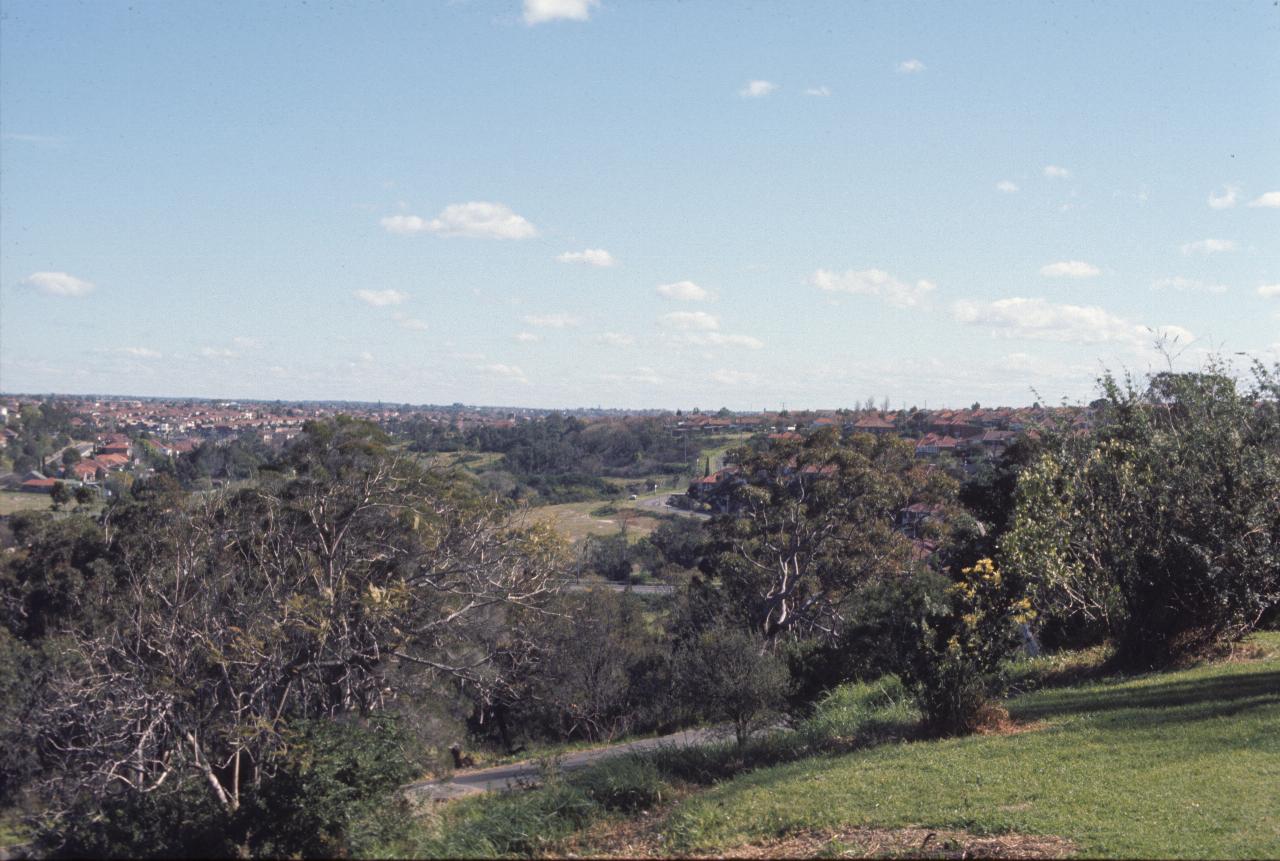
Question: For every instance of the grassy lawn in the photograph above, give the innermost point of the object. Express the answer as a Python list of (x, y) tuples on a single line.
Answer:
[(1180, 764), (575, 521), (13, 501)]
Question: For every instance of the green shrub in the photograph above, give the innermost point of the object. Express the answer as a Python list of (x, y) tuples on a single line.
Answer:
[(626, 784), (519, 823), (961, 649)]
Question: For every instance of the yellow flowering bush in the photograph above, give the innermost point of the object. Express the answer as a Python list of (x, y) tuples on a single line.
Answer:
[(962, 645)]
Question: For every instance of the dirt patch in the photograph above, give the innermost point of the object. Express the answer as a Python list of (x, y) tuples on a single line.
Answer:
[(995, 720), (902, 843), (643, 836)]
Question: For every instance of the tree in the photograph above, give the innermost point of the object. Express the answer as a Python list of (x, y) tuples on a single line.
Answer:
[(310, 595), (1161, 526), (60, 494), (725, 675), (809, 523), (70, 456)]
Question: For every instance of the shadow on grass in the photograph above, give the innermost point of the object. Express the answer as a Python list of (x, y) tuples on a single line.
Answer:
[(1165, 702)]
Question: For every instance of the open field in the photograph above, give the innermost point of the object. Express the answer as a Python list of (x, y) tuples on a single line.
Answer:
[(13, 501), (1181, 764), (575, 521)]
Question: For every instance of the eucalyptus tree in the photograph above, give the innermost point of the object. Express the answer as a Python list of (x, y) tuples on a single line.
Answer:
[(309, 594), (809, 522)]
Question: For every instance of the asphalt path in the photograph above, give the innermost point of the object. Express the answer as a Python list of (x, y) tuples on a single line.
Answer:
[(659, 504), (523, 774)]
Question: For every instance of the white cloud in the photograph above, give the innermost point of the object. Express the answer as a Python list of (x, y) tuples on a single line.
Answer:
[(1069, 269), (1187, 285), (139, 352), (1054, 171), (874, 282), (527, 337), (552, 321), (381, 298), (476, 219), (701, 329), (1209, 246), (591, 257), (1269, 291), (510, 372), (757, 89), (727, 377), (690, 321), (58, 284), (643, 374), (413, 324), (1007, 186), (1270, 200), (542, 11), (217, 353), (909, 67), (615, 339), (246, 343), (1227, 199), (1038, 319), (818, 91), (683, 291), (718, 339)]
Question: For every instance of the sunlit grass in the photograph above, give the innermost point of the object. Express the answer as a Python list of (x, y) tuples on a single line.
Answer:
[(1183, 764)]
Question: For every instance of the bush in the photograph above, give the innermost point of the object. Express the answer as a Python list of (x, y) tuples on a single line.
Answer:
[(1162, 524), (626, 784), (332, 794), (724, 674), (961, 649), (519, 823)]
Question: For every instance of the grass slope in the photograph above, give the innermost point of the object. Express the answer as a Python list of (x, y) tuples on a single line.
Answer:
[(1181, 764)]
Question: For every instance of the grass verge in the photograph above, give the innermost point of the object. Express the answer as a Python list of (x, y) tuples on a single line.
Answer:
[(1181, 764)]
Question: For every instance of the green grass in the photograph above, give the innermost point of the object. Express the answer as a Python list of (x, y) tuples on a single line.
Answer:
[(575, 521), (1180, 764), (14, 501)]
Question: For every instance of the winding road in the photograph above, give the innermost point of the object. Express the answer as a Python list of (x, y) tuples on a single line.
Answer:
[(522, 774)]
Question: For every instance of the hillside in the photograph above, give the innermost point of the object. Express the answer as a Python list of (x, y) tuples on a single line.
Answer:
[(1173, 764)]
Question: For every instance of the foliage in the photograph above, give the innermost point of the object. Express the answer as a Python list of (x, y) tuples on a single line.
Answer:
[(333, 780), (850, 717), (198, 628), (881, 635), (726, 674), (680, 540), (810, 522), (521, 824), (333, 777), (1161, 527), (229, 460), (627, 784), (600, 671), (963, 647)]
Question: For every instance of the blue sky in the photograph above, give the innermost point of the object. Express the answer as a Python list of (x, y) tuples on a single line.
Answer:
[(633, 204)]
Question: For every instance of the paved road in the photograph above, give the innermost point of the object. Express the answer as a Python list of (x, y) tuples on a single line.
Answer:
[(659, 504), (522, 774), (637, 588)]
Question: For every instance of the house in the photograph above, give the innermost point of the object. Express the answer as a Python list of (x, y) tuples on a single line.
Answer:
[(873, 425), (932, 444), (38, 485)]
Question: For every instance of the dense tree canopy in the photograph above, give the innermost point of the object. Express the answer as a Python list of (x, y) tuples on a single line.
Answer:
[(195, 627), (1163, 525), (810, 522)]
